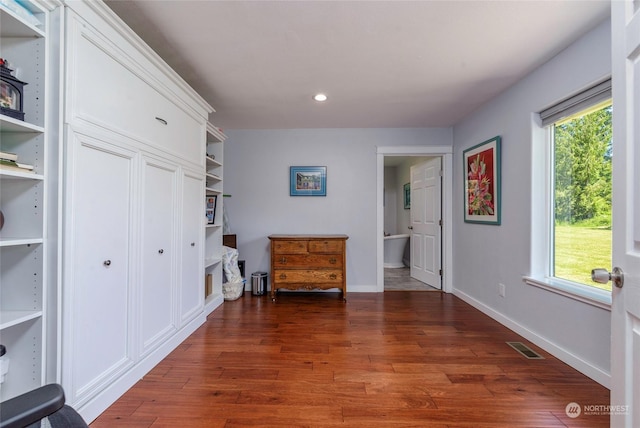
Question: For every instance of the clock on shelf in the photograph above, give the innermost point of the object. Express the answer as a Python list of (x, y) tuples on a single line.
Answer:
[(10, 92)]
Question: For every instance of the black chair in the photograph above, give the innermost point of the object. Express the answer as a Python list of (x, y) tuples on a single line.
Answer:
[(42, 407)]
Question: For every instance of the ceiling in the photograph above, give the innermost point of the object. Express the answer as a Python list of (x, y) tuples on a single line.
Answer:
[(383, 64)]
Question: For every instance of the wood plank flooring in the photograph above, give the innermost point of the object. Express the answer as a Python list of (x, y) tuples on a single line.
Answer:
[(398, 359)]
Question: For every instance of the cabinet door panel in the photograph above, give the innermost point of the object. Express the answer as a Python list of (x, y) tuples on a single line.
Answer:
[(191, 284), (158, 255), (109, 90), (97, 302)]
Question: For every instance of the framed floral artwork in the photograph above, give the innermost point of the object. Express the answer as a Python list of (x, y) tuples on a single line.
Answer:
[(482, 183)]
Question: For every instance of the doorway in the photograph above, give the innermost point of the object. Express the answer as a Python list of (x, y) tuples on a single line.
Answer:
[(412, 213), (444, 153)]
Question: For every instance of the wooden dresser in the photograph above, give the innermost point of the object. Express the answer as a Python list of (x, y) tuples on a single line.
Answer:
[(308, 262)]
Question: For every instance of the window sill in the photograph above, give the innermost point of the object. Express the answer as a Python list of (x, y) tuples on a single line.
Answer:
[(594, 297)]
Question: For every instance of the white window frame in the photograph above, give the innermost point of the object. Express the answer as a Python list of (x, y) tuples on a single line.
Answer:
[(542, 221)]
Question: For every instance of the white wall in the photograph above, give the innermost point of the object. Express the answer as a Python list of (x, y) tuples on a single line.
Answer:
[(256, 174), (485, 256), (390, 200)]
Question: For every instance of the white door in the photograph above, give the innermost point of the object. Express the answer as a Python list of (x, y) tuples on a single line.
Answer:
[(426, 237), (625, 310), (158, 296), (191, 266), (96, 308)]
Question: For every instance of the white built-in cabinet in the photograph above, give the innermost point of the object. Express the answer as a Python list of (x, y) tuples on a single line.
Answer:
[(27, 199), (213, 231), (134, 226), (191, 299), (158, 269), (104, 245)]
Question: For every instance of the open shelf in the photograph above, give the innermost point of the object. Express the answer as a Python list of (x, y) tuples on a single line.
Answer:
[(10, 124), (12, 25), (12, 318)]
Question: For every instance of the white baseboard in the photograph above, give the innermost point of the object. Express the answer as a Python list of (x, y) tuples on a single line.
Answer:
[(584, 367), (361, 289), (98, 404)]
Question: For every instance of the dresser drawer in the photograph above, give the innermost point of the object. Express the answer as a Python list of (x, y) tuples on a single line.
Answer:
[(290, 247), (328, 276), (328, 246), (305, 261)]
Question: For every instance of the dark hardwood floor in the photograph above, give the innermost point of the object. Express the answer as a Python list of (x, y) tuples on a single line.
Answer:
[(399, 359)]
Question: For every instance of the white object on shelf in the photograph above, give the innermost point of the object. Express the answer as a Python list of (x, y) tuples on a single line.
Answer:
[(4, 367)]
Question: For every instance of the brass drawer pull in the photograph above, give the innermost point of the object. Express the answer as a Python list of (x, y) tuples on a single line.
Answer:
[(283, 260), (283, 276), (333, 260), (333, 276)]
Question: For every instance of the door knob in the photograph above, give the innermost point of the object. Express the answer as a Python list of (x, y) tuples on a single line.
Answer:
[(410, 227), (160, 251), (107, 263), (602, 276)]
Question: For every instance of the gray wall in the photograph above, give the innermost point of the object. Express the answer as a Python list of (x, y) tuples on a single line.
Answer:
[(485, 256), (256, 174)]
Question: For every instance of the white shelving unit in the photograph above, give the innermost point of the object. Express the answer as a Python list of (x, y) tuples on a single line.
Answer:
[(213, 231), (26, 268)]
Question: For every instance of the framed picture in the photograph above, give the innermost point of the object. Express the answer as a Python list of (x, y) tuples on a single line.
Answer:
[(308, 181), (407, 196), (210, 209), (482, 183)]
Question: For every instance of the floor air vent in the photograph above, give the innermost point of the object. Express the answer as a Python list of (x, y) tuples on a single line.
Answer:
[(525, 350)]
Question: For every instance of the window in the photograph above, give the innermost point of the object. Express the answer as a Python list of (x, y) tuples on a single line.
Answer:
[(582, 195), (577, 194)]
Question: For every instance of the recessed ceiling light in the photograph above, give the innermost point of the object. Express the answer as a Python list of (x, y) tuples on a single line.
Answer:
[(320, 97)]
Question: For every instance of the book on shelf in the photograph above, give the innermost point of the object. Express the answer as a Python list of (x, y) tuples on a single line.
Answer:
[(8, 156), (8, 165)]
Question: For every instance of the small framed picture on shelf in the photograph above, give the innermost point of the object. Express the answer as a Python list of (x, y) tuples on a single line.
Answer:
[(210, 209)]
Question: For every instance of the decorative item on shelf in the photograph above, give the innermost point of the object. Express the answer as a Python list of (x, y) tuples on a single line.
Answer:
[(4, 363), (9, 161), (11, 90), (210, 211)]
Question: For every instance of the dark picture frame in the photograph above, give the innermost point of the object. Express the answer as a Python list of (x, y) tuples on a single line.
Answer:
[(308, 181), (482, 198), (406, 196), (211, 203)]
